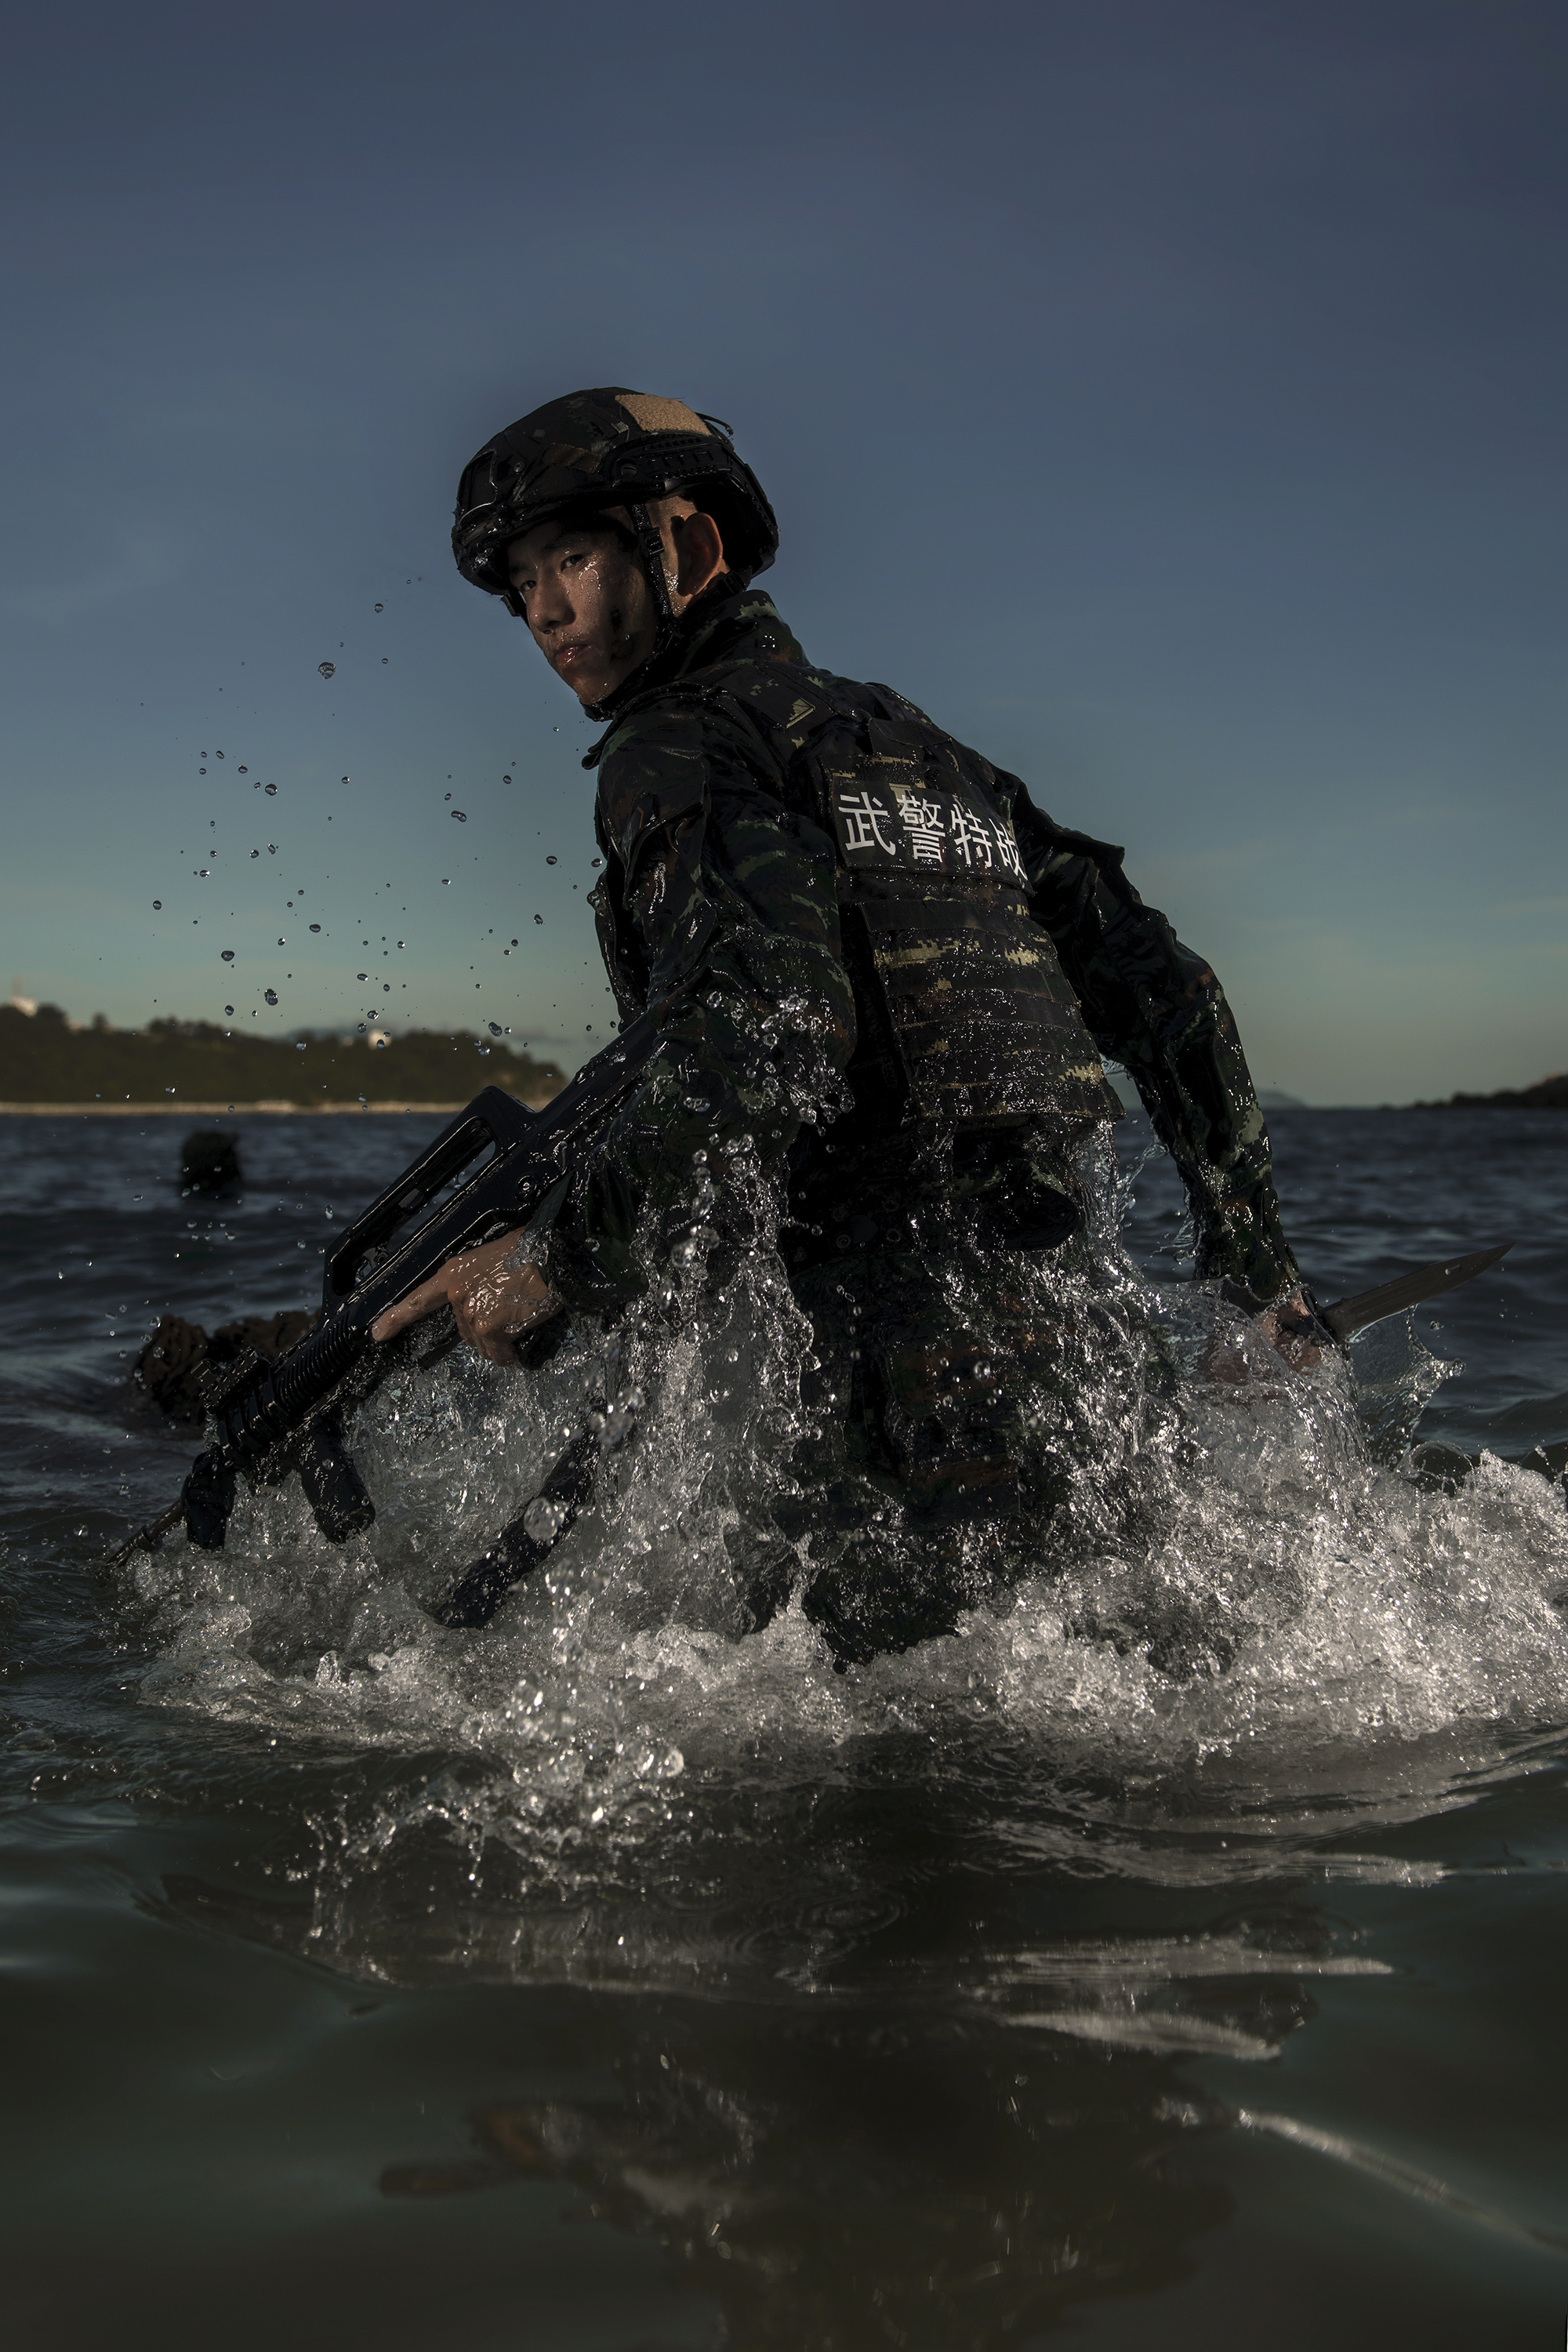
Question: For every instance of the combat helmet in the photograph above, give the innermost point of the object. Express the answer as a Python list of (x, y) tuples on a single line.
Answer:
[(607, 447)]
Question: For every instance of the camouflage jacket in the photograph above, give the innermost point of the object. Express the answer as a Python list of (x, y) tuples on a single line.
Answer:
[(718, 916)]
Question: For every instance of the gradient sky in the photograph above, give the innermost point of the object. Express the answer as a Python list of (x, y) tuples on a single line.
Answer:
[(1168, 396)]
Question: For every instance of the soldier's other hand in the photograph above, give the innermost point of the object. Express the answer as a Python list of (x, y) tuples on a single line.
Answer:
[(495, 1300), (1293, 1331), (1289, 1326)]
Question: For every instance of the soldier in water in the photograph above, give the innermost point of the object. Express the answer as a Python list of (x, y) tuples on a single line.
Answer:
[(883, 978)]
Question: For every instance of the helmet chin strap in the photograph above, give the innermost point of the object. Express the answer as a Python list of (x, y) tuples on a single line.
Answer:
[(650, 546)]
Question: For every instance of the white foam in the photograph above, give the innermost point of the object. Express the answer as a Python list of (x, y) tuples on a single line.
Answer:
[(1248, 1624)]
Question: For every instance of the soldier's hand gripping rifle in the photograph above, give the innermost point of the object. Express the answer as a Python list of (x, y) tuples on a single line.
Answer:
[(275, 1418)]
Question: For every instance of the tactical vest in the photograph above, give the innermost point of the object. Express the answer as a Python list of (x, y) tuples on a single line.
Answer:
[(951, 971), (931, 890)]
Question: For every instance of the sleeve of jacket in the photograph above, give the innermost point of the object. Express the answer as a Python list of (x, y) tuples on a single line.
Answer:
[(729, 908), (1157, 1008)]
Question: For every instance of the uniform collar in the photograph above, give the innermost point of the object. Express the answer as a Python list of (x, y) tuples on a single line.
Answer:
[(729, 622)]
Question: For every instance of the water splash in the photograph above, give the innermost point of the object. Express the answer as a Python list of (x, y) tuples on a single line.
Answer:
[(1254, 1624)]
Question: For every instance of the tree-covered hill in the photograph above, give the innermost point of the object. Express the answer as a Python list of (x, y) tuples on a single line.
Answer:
[(43, 1060), (1547, 1094)]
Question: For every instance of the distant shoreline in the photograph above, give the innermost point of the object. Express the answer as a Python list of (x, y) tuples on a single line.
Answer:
[(197, 1069), (219, 1110), (1547, 1094)]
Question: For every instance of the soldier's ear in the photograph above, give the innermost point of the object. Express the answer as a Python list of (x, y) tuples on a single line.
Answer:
[(699, 553)]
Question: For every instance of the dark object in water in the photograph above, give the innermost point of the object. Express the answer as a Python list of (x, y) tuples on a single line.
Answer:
[(167, 1366), (209, 1161), (1352, 1315), (170, 1367)]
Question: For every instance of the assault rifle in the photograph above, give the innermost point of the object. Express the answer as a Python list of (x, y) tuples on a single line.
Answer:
[(275, 1418)]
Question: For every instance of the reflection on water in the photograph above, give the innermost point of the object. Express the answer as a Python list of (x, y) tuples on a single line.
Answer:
[(900, 2181), (922, 2151)]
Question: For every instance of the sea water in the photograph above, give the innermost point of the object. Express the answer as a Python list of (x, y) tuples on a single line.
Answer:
[(1173, 1947)]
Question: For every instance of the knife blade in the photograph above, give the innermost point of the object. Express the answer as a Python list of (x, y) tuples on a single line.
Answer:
[(1349, 1316)]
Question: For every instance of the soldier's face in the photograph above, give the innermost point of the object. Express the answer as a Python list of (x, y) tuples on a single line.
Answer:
[(587, 605)]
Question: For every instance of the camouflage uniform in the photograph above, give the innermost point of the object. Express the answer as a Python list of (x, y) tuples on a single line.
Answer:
[(718, 913)]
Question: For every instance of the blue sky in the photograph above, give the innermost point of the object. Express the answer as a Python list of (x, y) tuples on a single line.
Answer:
[(1167, 396)]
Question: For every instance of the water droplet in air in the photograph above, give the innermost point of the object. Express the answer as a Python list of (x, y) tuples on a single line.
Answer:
[(506, 780), (595, 861), (202, 873), (270, 995), (201, 772), (551, 861), (229, 955), (228, 1009), (299, 1048), (242, 769), (315, 927), (361, 975), (327, 670), (157, 904), (495, 1028), (460, 817), (343, 780), (383, 661), (538, 918), (380, 608), (271, 792)]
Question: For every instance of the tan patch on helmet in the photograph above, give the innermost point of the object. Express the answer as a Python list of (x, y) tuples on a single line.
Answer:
[(656, 415)]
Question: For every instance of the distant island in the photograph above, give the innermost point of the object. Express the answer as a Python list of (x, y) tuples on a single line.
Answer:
[(1547, 1094), (47, 1061)]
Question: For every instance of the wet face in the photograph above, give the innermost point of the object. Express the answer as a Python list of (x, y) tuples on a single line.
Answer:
[(587, 599)]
